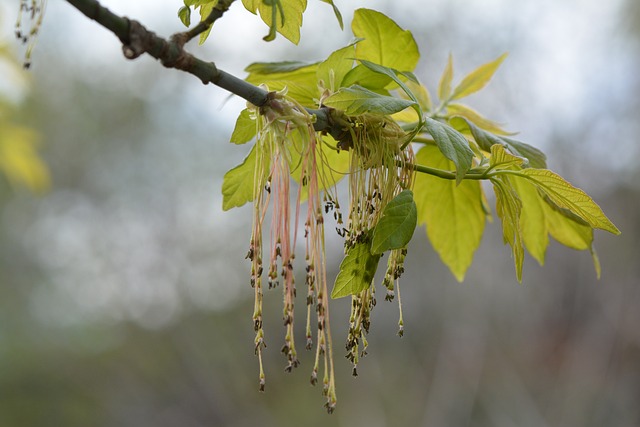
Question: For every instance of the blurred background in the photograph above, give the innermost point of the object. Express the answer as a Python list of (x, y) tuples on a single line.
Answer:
[(124, 293)]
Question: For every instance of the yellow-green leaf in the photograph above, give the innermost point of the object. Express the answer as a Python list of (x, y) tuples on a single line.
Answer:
[(566, 196), (452, 144), (205, 11), (333, 70), (502, 159), (331, 165), (533, 221), (245, 128), (477, 79), (336, 12), (444, 88), (527, 155), (384, 43), (422, 93), (509, 208), (357, 100), (285, 16), (299, 79), (453, 214), (19, 159), (237, 185), (362, 76), (357, 270), (455, 109), (397, 224), (184, 13)]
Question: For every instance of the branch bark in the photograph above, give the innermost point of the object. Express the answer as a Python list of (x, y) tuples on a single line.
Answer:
[(137, 40)]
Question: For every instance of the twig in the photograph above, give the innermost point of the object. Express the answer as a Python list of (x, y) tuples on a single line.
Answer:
[(137, 40)]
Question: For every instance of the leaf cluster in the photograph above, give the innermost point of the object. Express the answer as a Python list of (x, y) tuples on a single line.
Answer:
[(375, 75)]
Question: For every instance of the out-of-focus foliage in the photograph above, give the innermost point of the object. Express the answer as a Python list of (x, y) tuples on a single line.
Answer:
[(20, 162)]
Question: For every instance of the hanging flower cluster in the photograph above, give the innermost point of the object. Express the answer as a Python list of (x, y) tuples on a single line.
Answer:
[(288, 146)]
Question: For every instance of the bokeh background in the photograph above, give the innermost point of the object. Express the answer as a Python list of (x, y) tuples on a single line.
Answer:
[(124, 293)]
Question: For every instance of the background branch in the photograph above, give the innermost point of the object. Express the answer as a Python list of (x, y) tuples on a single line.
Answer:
[(137, 40)]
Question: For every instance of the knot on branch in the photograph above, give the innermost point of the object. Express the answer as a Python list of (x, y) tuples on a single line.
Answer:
[(137, 36), (174, 56)]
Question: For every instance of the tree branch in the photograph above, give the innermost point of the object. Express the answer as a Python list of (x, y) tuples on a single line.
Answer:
[(137, 40)]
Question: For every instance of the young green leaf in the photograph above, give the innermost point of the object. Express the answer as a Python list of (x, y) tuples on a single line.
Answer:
[(205, 11), (455, 109), (533, 221), (357, 100), (453, 214), (397, 224), (452, 144), (393, 75), (237, 185), (357, 270), (333, 70), (362, 76), (569, 197), (283, 16), (502, 159), (477, 79), (509, 208), (444, 88), (422, 93), (299, 79), (331, 165), (245, 128), (184, 13), (384, 43), (571, 233), (336, 12), (486, 140)]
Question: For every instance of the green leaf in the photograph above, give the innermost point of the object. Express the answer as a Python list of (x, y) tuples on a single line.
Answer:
[(502, 159), (393, 75), (454, 214), (384, 43), (537, 159), (331, 165), (533, 221), (299, 79), (357, 100), (184, 13), (509, 208), (19, 158), (452, 144), (486, 140), (567, 230), (205, 11), (283, 16), (397, 224), (566, 196), (444, 88), (245, 128), (282, 67), (478, 119), (362, 76), (357, 270), (237, 185), (571, 233), (336, 12), (477, 79), (333, 70), (422, 93)]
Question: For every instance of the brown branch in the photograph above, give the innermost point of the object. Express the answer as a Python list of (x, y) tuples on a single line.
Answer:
[(138, 40)]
